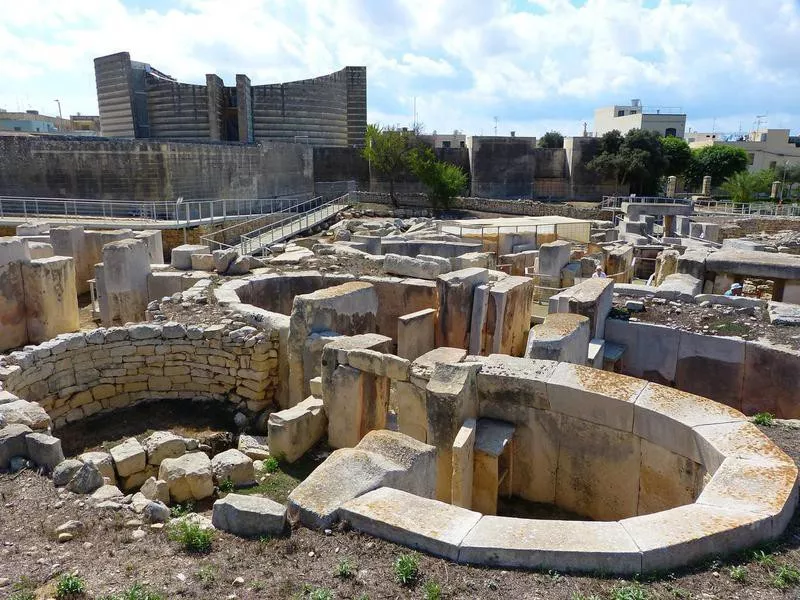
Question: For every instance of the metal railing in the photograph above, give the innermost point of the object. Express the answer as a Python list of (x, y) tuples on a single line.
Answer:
[(617, 201), (186, 211), (314, 212), (722, 207)]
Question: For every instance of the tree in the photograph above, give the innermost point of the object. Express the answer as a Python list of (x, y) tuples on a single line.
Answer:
[(678, 155), (443, 180), (720, 162), (745, 186), (636, 159), (788, 175), (551, 139), (387, 151)]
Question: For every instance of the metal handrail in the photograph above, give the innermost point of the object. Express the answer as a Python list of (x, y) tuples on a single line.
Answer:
[(251, 239)]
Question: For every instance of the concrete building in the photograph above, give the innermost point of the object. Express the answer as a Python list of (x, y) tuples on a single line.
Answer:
[(667, 121), (766, 149), (138, 101), (445, 140)]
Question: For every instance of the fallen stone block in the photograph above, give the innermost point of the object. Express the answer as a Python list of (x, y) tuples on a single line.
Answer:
[(26, 413), (104, 463), (129, 457), (202, 262), (233, 466), (155, 489), (294, 431), (12, 442), (44, 450), (189, 477), (182, 255), (563, 337), (64, 471), (254, 446), (163, 444), (679, 286), (411, 267), (249, 516), (86, 480), (223, 259)]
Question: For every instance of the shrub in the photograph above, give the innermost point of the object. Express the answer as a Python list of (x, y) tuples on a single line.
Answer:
[(226, 486), (271, 465), (406, 568), (345, 569), (738, 573), (764, 418), (70, 585), (181, 509), (192, 537), (629, 592), (786, 576), (432, 590)]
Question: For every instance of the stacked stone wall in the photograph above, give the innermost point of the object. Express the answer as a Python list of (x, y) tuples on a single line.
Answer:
[(80, 374)]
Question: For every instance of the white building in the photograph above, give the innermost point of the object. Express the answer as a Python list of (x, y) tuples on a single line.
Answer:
[(666, 121), (766, 149), (446, 140)]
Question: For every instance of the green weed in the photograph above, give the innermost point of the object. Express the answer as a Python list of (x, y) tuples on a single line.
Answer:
[(764, 418), (192, 538), (406, 568), (70, 585), (345, 569), (432, 590), (738, 573)]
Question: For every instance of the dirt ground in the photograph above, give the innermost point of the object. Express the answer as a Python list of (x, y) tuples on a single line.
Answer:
[(304, 564)]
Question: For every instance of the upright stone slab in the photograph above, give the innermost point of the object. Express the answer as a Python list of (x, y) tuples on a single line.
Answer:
[(70, 240), (508, 318), (618, 263), (397, 297), (154, 243), (553, 257), (463, 461), (95, 241), (51, 301), (292, 432), (13, 328), (456, 291), (562, 337), (126, 266), (452, 398), (346, 309), (416, 333), (591, 298)]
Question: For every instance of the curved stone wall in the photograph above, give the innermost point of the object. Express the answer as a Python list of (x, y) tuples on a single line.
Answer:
[(80, 374)]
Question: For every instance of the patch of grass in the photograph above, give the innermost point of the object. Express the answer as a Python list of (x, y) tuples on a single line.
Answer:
[(181, 509), (764, 559), (315, 593), (432, 590), (207, 575), (271, 465), (632, 591), (192, 538), (738, 573), (406, 569), (786, 576), (226, 486), (23, 589), (345, 569), (281, 478), (22, 595), (136, 592), (731, 328), (70, 585), (764, 418)]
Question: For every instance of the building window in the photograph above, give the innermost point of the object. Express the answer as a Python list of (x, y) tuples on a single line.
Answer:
[(17, 128), (446, 144), (620, 113), (750, 158), (462, 144), (671, 132), (773, 164)]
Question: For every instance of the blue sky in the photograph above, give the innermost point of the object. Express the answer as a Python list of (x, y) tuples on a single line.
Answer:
[(533, 64)]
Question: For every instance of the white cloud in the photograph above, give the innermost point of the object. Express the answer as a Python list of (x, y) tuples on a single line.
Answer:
[(466, 62)]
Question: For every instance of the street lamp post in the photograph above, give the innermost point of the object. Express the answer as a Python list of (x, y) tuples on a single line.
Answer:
[(783, 183), (60, 118)]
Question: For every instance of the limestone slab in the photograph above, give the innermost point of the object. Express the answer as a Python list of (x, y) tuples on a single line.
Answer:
[(249, 516), (564, 546), (666, 479), (292, 432), (129, 457), (234, 466), (666, 416), (711, 366), (189, 477), (504, 379), (420, 523), (741, 439)]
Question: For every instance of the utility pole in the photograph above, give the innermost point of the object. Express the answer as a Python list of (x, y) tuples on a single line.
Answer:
[(495, 126), (60, 118)]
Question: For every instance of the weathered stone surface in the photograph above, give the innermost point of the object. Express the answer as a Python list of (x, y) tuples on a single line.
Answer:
[(25, 413), (564, 546), (202, 262), (666, 479), (679, 286), (455, 305), (65, 471), (411, 267), (562, 337), (182, 255), (155, 489), (382, 458), (711, 366), (254, 446), (463, 465), (249, 516), (651, 350), (234, 466), (155, 512), (506, 379), (292, 432), (86, 480), (129, 457), (591, 298), (104, 463), (415, 333), (410, 520), (107, 492), (223, 259), (134, 481), (161, 445), (44, 450), (12, 442), (189, 477)]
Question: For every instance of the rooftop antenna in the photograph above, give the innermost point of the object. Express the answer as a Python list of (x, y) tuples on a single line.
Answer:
[(585, 133), (760, 120), (495, 126), (415, 113)]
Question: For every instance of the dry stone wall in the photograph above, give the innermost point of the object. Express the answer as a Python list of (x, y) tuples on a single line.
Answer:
[(79, 374)]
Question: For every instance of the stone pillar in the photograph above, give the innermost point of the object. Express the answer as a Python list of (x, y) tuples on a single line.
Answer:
[(155, 245), (13, 329), (245, 109), (95, 240), (563, 337), (672, 185), (410, 402), (456, 291), (51, 302), (70, 240), (126, 266), (776, 190), (706, 191), (452, 398), (669, 225), (214, 89), (463, 465), (415, 334)]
